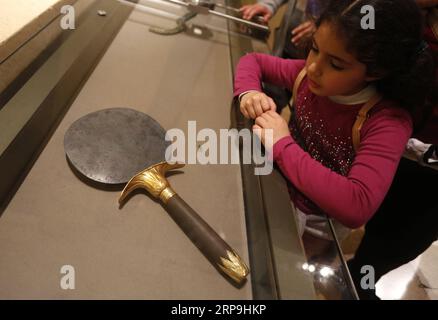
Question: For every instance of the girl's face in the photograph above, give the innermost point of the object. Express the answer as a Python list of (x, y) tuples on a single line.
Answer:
[(331, 70)]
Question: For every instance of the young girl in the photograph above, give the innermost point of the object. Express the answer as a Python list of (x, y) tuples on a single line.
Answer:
[(388, 68)]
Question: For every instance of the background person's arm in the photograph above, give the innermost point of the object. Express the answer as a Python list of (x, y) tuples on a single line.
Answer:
[(303, 32), (264, 8)]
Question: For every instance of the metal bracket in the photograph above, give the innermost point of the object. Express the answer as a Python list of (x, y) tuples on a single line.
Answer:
[(203, 7), (207, 7), (180, 25)]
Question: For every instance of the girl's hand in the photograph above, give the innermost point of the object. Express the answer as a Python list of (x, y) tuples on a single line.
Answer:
[(254, 103), (251, 10), (271, 120)]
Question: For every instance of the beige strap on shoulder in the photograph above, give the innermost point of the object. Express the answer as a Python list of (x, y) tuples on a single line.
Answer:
[(286, 112), (297, 83), (360, 119)]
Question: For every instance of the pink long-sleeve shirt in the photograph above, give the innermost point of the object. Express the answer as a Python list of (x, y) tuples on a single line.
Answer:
[(328, 175)]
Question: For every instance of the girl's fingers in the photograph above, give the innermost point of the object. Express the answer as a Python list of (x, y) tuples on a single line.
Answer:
[(272, 105), (261, 122), (268, 116), (265, 103), (257, 104), (251, 112), (275, 116), (244, 112)]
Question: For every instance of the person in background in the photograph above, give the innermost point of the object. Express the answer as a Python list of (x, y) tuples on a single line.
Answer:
[(406, 224), (297, 25), (264, 8), (302, 32)]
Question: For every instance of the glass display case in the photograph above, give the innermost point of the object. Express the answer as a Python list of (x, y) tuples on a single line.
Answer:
[(175, 64)]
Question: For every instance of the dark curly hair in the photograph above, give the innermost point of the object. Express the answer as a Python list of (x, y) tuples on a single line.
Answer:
[(394, 50)]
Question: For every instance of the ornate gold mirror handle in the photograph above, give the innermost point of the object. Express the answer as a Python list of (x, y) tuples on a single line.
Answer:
[(214, 248)]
